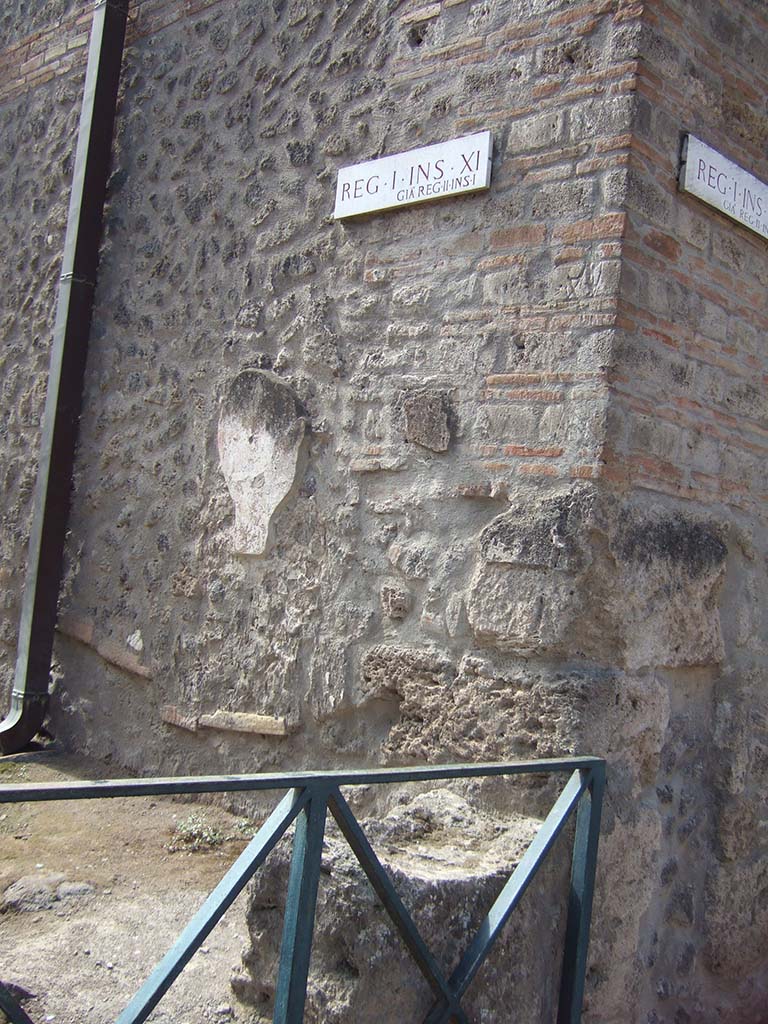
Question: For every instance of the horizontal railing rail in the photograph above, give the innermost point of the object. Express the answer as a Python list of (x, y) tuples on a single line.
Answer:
[(309, 797)]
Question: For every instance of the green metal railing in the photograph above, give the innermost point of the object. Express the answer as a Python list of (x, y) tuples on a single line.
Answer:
[(309, 798)]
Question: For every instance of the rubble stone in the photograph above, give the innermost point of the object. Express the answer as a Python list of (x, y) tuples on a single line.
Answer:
[(448, 863)]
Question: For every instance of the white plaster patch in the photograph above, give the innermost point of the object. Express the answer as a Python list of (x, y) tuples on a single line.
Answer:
[(261, 428), (136, 641)]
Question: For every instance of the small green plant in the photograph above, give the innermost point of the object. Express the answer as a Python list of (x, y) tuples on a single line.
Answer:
[(245, 829), (195, 833)]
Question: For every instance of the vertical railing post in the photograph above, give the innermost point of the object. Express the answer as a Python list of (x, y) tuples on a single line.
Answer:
[(583, 866), (301, 900)]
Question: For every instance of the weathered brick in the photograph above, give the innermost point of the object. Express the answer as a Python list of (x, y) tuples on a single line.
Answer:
[(420, 14), (611, 225), (525, 234)]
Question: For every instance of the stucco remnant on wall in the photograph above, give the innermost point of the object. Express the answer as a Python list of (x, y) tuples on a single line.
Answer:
[(261, 428)]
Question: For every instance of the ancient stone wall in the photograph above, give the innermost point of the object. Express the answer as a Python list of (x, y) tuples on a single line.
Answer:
[(687, 453), (446, 361), (507, 446)]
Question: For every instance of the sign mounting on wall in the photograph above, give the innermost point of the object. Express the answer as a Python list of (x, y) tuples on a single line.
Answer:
[(431, 172), (723, 184)]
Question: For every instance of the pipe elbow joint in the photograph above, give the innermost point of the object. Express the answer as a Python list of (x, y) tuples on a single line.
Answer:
[(23, 721)]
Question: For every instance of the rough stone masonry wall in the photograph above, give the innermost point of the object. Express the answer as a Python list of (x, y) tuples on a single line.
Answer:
[(688, 428), (450, 360), (484, 552)]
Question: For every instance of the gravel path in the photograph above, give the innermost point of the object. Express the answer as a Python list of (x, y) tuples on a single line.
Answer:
[(91, 897)]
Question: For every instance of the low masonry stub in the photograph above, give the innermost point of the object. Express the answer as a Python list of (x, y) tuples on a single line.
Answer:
[(431, 172)]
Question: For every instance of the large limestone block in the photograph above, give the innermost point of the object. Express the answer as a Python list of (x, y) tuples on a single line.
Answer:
[(629, 586), (520, 610), (448, 863), (671, 568), (526, 592)]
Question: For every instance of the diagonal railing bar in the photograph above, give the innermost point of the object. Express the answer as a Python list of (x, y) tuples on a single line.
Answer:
[(512, 893), (382, 885), (300, 903), (519, 881), (249, 861), (15, 1013), (309, 797)]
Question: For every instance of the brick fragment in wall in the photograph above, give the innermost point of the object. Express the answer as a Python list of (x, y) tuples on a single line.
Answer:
[(77, 628), (376, 463), (109, 649), (243, 721), (172, 715), (117, 655)]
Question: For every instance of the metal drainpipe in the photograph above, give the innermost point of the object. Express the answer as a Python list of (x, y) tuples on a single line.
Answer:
[(63, 404)]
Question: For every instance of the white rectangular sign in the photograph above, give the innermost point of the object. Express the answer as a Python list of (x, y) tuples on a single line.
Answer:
[(724, 185), (432, 172)]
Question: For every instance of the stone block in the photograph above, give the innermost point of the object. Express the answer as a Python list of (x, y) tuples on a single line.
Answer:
[(413, 558), (426, 416), (395, 600), (563, 198), (536, 131), (736, 918), (519, 609), (670, 571), (390, 669), (522, 592), (328, 679)]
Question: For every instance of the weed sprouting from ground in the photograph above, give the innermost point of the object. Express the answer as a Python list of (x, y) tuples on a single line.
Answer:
[(195, 833), (246, 829)]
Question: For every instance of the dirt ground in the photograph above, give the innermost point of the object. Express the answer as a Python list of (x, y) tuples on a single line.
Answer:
[(92, 897)]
